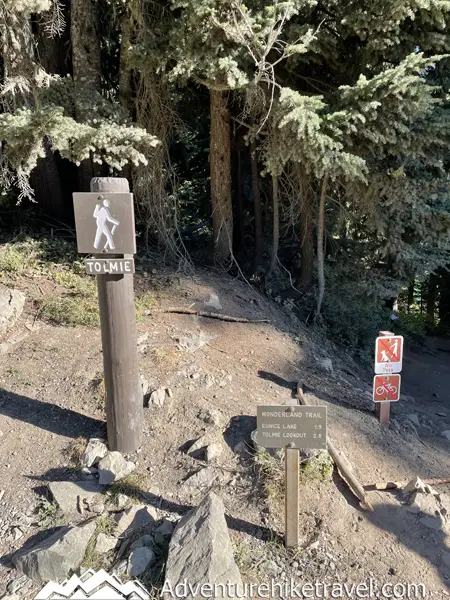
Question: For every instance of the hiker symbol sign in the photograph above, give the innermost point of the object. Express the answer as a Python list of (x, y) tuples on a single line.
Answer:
[(388, 354), (104, 223)]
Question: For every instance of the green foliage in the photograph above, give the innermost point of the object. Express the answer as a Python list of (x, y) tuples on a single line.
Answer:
[(353, 311)]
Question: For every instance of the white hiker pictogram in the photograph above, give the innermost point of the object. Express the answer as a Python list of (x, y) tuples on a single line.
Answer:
[(394, 349), (103, 217)]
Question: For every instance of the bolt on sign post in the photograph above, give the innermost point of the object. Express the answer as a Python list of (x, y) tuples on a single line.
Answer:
[(104, 221), (386, 383), (292, 427)]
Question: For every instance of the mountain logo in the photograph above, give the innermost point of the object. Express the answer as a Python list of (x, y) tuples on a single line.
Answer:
[(93, 586)]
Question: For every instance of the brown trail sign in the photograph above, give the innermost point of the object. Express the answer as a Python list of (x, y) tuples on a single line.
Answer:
[(104, 220), (292, 427)]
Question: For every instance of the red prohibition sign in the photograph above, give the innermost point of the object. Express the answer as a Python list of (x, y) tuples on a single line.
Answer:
[(386, 388)]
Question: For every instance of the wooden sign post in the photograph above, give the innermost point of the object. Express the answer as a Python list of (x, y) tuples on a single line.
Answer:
[(388, 363), (104, 220), (292, 427)]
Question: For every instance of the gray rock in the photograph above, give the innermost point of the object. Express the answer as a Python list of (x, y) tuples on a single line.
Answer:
[(211, 416), (240, 448), (200, 550), (95, 450), (15, 585), (66, 494), (11, 307), (53, 557), (166, 528), (144, 540), (326, 364), (199, 444), (446, 559), (135, 517), (213, 451), (414, 419), (105, 543), (203, 478), (140, 560), (446, 434), (213, 302), (145, 384), (114, 467), (158, 397), (121, 501)]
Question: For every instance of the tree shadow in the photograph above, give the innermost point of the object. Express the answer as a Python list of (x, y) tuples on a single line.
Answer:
[(50, 417), (430, 544)]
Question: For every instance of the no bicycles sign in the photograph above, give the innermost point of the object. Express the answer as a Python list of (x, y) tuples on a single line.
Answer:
[(386, 388)]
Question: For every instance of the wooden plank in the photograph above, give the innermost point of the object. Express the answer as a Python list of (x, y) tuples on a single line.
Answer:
[(340, 460), (291, 464), (124, 402), (383, 411)]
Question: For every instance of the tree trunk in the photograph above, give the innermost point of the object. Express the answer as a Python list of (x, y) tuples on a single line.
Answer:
[(239, 234), (411, 294), (220, 170), (256, 208), (306, 243), (86, 65), (276, 226), (320, 246), (46, 183), (125, 87), (431, 299), (444, 302)]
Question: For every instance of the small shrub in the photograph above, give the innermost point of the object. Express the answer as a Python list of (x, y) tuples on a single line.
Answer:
[(70, 310)]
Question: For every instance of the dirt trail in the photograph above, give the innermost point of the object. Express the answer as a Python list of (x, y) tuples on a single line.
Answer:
[(50, 396)]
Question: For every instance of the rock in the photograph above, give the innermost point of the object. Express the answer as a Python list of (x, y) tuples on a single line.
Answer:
[(145, 384), (446, 434), (69, 494), (95, 450), (436, 523), (213, 302), (114, 467), (11, 307), (53, 557), (144, 540), (200, 550), (446, 559), (158, 397), (105, 543), (213, 451), (326, 364), (199, 444), (15, 585), (135, 517), (211, 416), (121, 501), (140, 560), (414, 419), (240, 448), (169, 392), (417, 485), (203, 478), (166, 528)]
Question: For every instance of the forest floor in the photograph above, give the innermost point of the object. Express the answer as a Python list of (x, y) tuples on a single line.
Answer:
[(51, 397)]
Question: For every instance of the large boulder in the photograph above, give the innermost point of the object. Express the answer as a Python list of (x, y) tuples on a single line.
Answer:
[(70, 495), (135, 517), (11, 307), (200, 551), (53, 558)]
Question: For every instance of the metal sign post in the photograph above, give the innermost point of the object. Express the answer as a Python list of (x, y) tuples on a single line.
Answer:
[(104, 220), (292, 427), (388, 361)]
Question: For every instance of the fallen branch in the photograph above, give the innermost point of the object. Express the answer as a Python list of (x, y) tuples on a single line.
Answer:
[(210, 315), (343, 465), (398, 485)]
